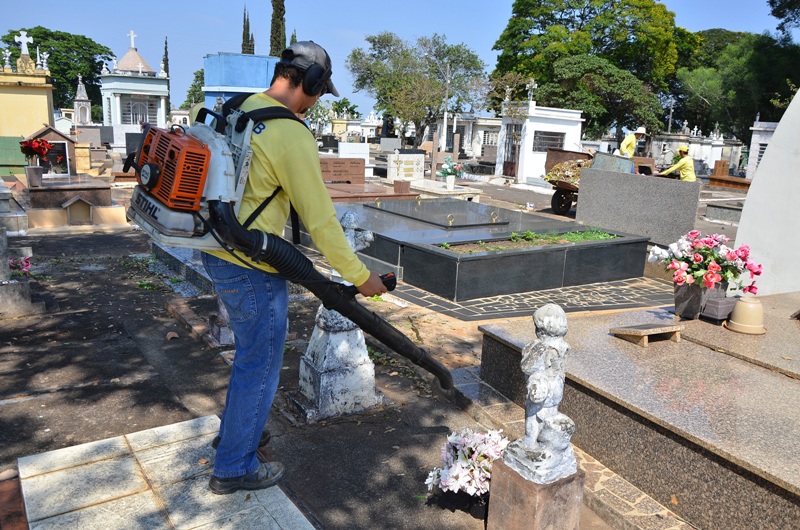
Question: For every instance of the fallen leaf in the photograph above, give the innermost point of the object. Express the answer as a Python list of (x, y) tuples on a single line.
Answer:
[(789, 358), (674, 500), (394, 374), (171, 335), (203, 461)]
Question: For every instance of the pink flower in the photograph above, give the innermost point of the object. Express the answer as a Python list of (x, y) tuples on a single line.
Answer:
[(694, 234), (674, 265), (710, 279), (731, 255), (679, 278), (751, 289), (697, 258), (743, 252), (699, 243), (755, 269), (714, 267), (690, 279)]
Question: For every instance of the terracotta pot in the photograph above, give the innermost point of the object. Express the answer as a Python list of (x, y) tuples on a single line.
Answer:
[(34, 176)]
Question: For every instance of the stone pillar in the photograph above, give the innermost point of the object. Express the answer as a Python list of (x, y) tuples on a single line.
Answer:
[(5, 270), (162, 112), (83, 157), (519, 504), (117, 119)]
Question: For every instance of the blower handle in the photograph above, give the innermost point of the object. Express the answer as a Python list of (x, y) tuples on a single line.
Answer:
[(219, 119), (388, 279)]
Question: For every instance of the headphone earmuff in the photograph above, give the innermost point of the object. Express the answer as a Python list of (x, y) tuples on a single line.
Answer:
[(314, 80)]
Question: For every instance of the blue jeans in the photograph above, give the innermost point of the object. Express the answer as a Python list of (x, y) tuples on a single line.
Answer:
[(257, 305)]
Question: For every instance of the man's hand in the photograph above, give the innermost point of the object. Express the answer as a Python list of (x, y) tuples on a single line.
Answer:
[(373, 286)]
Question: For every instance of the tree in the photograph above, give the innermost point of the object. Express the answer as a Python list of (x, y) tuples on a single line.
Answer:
[(608, 96), (195, 93), (277, 36), (248, 41), (412, 82), (293, 38), (635, 35), (70, 55), (165, 60), (319, 115), (343, 108), (787, 11)]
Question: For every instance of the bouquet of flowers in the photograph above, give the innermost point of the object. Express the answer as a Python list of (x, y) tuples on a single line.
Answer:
[(35, 147), (451, 168), (695, 258), (467, 462), (21, 267)]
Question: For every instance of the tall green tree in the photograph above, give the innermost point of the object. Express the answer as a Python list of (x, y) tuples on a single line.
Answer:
[(609, 97), (248, 42), (414, 82), (787, 11), (343, 108), (635, 35), (165, 61), (195, 93), (70, 55), (277, 35), (293, 38)]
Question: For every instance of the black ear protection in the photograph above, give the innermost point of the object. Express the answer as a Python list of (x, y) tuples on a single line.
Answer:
[(315, 79)]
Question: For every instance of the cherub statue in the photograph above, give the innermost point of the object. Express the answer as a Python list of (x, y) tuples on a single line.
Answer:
[(545, 453)]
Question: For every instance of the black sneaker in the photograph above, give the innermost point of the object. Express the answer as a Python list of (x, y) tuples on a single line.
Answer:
[(267, 475), (264, 440)]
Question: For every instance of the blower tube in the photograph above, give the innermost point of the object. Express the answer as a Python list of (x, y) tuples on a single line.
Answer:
[(296, 267)]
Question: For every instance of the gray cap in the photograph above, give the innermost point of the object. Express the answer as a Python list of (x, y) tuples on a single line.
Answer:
[(304, 54)]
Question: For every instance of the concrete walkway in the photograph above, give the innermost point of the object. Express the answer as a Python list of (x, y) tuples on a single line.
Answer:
[(157, 478)]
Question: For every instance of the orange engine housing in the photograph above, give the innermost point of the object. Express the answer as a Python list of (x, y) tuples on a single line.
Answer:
[(182, 161)]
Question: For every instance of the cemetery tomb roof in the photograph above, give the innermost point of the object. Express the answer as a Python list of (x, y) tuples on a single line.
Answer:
[(130, 63)]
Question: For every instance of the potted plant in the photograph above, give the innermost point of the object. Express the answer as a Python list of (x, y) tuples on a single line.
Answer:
[(32, 149), (467, 466), (703, 267)]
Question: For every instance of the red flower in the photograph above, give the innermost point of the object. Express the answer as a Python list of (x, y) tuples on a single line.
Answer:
[(35, 147)]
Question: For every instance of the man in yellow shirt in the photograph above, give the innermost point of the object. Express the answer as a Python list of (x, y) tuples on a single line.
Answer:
[(685, 165), (628, 146), (285, 158)]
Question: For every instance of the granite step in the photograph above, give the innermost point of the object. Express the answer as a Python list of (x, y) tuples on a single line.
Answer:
[(711, 435)]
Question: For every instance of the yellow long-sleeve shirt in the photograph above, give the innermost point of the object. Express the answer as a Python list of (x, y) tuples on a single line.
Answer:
[(285, 155), (628, 146), (686, 166)]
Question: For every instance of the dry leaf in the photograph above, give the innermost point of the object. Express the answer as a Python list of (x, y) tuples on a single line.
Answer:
[(171, 335), (394, 374), (674, 500), (203, 461), (789, 358)]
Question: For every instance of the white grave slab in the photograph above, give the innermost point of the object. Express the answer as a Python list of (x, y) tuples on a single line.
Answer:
[(354, 150), (405, 167)]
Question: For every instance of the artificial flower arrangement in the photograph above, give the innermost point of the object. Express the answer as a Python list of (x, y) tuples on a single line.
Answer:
[(21, 267), (35, 147), (451, 168), (707, 260), (467, 462)]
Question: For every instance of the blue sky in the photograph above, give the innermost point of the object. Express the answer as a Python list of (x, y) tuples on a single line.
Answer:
[(203, 27)]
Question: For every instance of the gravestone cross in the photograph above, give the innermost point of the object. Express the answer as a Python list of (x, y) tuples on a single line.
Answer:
[(132, 35), (23, 41), (140, 66)]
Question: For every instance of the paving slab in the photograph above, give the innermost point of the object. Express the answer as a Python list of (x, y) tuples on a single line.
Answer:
[(149, 479)]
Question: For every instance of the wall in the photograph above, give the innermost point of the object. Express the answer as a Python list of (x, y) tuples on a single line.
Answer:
[(229, 74), (762, 134), (26, 103)]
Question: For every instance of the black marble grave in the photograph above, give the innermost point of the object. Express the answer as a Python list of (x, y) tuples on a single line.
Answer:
[(409, 234)]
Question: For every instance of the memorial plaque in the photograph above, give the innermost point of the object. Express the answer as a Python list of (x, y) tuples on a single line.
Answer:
[(405, 167), (342, 170)]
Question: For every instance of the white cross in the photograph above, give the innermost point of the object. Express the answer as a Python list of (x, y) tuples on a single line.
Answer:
[(23, 41), (132, 35), (140, 65)]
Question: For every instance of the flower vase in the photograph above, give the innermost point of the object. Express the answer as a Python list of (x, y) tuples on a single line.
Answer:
[(450, 182), (690, 299), (34, 176)]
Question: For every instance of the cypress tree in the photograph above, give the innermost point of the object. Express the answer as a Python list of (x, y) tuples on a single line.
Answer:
[(165, 60), (248, 42), (277, 38), (293, 38)]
